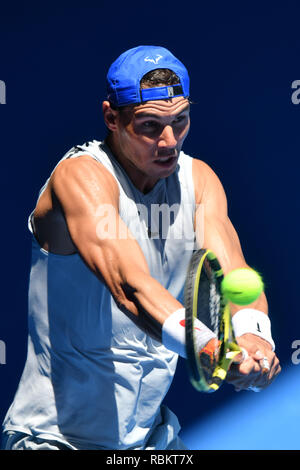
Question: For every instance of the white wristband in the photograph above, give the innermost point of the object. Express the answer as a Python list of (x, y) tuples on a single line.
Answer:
[(249, 320), (173, 333)]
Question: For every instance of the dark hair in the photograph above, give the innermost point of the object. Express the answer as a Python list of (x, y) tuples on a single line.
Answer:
[(159, 77), (154, 78)]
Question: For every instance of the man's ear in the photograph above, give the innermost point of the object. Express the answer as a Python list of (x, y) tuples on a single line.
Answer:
[(109, 115)]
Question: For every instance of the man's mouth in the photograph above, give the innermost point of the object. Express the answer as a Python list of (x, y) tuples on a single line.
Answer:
[(166, 161)]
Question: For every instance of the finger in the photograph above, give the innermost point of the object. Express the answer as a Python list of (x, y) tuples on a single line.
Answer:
[(242, 356), (273, 363), (249, 366), (264, 380), (265, 365), (275, 368), (255, 381), (266, 361)]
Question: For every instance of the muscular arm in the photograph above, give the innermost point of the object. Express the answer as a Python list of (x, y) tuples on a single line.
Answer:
[(83, 188), (218, 234)]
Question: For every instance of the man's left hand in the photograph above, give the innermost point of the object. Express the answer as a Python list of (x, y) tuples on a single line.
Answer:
[(251, 372)]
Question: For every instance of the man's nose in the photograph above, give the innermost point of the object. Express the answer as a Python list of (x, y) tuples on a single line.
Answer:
[(167, 138)]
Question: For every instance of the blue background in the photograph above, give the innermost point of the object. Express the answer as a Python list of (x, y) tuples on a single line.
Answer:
[(242, 59)]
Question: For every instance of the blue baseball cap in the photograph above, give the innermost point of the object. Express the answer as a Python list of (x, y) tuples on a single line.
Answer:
[(125, 74)]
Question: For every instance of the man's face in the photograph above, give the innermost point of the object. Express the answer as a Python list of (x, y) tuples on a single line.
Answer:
[(149, 137)]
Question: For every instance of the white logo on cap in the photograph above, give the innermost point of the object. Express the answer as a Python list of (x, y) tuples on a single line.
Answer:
[(155, 61), (171, 91)]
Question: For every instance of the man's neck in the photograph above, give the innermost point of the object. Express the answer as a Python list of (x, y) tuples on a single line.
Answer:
[(142, 182)]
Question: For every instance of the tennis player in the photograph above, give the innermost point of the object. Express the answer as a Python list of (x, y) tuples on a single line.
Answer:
[(112, 234)]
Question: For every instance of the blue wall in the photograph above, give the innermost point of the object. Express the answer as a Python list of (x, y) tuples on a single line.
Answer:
[(242, 61)]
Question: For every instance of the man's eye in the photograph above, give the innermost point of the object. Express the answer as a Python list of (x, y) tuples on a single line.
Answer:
[(180, 119), (149, 124)]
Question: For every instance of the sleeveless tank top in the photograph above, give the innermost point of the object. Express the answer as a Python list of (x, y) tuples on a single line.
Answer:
[(92, 378)]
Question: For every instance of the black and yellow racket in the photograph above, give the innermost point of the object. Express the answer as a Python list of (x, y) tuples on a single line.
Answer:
[(204, 300)]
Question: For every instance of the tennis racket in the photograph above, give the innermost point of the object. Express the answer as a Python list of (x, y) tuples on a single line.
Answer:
[(204, 300)]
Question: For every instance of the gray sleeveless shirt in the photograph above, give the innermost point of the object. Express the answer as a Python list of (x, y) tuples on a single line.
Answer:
[(92, 378)]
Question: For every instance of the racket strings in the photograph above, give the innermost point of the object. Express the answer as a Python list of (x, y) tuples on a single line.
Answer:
[(204, 300)]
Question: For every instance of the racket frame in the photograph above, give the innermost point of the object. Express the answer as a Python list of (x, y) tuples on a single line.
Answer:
[(229, 348)]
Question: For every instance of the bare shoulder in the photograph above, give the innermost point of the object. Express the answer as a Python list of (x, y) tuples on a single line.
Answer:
[(206, 182), (76, 187), (83, 175)]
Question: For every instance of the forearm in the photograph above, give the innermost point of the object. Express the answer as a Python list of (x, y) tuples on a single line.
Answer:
[(260, 304), (123, 268), (148, 301), (222, 239)]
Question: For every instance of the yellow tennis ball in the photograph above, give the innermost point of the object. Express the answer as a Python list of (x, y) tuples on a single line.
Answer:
[(242, 286)]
